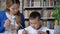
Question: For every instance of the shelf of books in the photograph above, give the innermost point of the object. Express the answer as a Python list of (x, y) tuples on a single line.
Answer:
[(2, 4), (46, 16), (38, 3), (44, 7)]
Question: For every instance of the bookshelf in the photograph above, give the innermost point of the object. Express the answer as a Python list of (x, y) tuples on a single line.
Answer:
[(44, 7), (2, 4)]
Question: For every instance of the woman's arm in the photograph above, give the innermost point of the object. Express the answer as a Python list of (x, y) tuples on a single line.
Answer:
[(2, 25), (22, 21)]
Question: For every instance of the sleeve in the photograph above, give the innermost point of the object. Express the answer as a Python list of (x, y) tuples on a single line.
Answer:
[(51, 31), (20, 31), (22, 21), (1, 25)]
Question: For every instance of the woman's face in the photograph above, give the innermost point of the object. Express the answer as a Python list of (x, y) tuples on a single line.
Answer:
[(14, 8)]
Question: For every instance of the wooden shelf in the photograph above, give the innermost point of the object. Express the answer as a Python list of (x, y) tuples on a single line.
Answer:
[(47, 18), (43, 18), (39, 8)]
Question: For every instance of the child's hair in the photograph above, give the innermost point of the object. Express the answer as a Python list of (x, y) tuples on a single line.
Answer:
[(35, 14)]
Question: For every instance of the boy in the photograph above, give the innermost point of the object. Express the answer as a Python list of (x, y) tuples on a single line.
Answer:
[(35, 25)]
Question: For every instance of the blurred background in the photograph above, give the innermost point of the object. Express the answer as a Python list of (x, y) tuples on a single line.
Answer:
[(49, 10)]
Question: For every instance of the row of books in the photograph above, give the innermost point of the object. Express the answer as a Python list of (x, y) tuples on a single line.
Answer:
[(27, 23), (44, 13), (56, 23), (38, 3), (48, 24)]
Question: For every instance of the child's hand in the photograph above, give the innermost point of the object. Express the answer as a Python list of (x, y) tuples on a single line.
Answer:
[(14, 31), (24, 32), (40, 32)]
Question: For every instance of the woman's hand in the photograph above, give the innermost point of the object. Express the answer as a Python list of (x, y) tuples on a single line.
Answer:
[(14, 31), (7, 22)]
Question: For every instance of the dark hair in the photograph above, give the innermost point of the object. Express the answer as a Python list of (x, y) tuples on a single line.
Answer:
[(16, 1), (33, 15)]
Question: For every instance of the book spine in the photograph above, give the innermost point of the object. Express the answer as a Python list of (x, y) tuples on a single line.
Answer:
[(48, 24)]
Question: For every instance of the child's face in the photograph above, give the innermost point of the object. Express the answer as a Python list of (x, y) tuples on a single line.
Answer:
[(35, 23)]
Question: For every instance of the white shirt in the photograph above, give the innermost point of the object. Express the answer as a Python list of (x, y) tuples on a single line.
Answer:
[(31, 30), (12, 19)]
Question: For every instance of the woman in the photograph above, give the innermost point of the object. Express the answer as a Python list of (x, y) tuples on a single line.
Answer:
[(12, 10)]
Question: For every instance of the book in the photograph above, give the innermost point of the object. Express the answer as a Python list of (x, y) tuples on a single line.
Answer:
[(27, 13), (36, 3), (26, 23), (26, 3), (30, 3), (47, 2), (49, 13), (44, 23), (49, 24), (56, 22), (44, 3), (51, 2), (52, 24), (45, 13), (41, 3)]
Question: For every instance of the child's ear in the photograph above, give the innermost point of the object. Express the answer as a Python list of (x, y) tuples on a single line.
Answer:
[(41, 22)]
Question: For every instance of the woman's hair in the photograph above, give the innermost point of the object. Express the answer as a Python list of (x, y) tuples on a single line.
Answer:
[(10, 3)]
